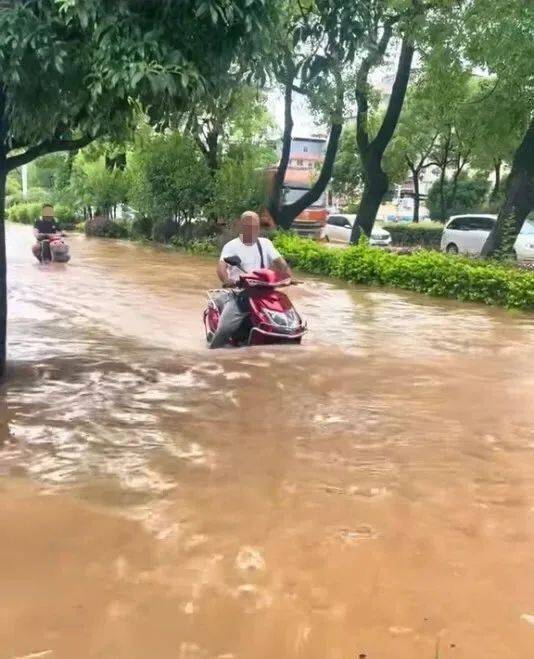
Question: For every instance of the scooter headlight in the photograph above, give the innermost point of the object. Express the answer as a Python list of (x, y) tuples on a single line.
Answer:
[(286, 320)]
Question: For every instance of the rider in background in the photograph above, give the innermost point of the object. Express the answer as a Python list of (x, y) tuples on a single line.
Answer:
[(45, 227), (255, 252)]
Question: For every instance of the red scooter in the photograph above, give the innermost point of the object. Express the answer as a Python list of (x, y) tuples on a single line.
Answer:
[(51, 247), (271, 319)]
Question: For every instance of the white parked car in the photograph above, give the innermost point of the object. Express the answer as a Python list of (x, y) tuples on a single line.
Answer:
[(524, 245), (467, 234), (338, 228)]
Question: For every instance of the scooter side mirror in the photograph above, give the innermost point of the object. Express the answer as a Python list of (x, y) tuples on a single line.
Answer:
[(233, 260)]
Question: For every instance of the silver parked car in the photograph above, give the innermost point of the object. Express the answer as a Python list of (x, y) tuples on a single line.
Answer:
[(467, 234), (338, 228)]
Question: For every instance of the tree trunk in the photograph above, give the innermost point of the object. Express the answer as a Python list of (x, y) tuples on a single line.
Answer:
[(376, 186), (3, 283), (3, 272), (288, 213), (519, 200), (456, 178), (208, 143), (371, 153), (274, 203), (443, 164), (212, 151), (497, 185), (442, 202), (8, 164), (416, 195)]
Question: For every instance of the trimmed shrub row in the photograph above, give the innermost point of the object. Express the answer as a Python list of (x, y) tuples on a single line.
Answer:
[(102, 227), (197, 246), (28, 213), (423, 271), (424, 234), (24, 213)]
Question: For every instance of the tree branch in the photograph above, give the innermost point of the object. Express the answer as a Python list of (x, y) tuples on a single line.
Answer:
[(362, 95), (200, 143), (317, 189), (300, 90), (485, 96), (303, 13), (278, 182), (47, 146), (396, 99), (427, 152), (410, 164)]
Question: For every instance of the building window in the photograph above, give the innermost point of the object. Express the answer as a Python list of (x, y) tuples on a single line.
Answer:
[(305, 149), (300, 163)]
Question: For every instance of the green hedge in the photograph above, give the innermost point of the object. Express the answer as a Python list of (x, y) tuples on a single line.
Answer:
[(103, 227), (24, 213), (140, 228), (196, 246), (27, 213), (424, 271), (65, 215), (425, 234)]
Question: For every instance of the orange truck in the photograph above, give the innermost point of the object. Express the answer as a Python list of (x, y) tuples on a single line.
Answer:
[(312, 219)]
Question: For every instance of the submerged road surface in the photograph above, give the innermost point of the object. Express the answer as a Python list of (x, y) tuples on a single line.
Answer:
[(369, 494)]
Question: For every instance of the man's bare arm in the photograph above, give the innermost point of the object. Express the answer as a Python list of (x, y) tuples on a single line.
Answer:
[(282, 268)]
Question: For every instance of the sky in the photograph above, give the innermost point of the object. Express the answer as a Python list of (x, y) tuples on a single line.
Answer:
[(305, 124)]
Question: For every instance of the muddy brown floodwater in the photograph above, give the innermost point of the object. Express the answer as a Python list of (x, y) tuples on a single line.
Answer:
[(369, 494)]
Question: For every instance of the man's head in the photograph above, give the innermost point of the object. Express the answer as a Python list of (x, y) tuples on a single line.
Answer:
[(48, 210), (249, 224)]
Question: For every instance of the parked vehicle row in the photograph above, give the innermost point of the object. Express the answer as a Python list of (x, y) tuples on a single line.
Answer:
[(462, 234), (338, 228), (467, 234)]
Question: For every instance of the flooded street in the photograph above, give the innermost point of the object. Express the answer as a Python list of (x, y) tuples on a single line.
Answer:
[(368, 495)]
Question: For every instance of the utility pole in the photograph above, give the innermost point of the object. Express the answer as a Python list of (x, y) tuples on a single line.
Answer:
[(24, 174)]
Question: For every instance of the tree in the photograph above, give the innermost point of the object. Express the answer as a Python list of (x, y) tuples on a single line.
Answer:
[(347, 176), (42, 172), (499, 125), (240, 182), (71, 71), (310, 58), (416, 24), (169, 178), (500, 40), (224, 110), (412, 147), (372, 149), (98, 187), (461, 196)]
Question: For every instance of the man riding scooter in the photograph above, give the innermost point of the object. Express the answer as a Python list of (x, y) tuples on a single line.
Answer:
[(45, 229), (254, 252)]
